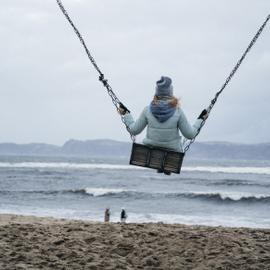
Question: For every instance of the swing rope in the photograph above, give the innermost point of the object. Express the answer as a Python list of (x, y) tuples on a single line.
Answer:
[(213, 101), (116, 102)]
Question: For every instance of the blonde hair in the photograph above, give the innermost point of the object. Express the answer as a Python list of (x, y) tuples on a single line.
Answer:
[(173, 101)]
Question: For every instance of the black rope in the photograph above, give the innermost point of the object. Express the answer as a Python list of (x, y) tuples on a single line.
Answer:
[(228, 79), (116, 102)]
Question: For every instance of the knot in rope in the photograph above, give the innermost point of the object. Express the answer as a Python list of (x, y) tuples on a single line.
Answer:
[(103, 80)]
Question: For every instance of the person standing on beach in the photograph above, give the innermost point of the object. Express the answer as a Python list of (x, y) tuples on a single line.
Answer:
[(107, 215), (123, 215), (163, 118)]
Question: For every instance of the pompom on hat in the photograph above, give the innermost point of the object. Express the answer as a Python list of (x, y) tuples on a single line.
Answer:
[(164, 87)]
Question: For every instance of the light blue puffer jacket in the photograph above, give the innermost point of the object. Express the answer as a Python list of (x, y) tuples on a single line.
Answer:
[(164, 134)]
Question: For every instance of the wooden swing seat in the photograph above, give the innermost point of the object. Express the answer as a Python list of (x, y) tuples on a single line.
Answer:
[(161, 159)]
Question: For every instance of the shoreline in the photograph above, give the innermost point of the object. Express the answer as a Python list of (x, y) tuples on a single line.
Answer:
[(28, 218), (169, 219), (29, 242)]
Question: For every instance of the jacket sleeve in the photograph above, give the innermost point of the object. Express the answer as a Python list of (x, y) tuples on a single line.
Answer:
[(135, 127), (186, 129)]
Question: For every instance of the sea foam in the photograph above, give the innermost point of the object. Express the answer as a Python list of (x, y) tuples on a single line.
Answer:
[(69, 165)]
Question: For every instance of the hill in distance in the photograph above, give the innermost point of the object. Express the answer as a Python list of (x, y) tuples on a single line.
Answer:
[(111, 148)]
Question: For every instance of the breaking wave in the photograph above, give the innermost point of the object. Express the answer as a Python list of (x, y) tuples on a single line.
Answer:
[(65, 165), (214, 197), (238, 170), (68, 165)]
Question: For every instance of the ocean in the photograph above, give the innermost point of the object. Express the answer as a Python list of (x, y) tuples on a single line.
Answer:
[(216, 193)]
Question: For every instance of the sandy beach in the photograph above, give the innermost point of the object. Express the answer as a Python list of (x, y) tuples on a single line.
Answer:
[(47, 243)]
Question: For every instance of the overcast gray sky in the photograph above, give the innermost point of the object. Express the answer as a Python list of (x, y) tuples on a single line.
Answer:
[(50, 92)]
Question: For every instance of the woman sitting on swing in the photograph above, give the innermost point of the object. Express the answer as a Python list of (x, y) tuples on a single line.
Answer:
[(163, 118)]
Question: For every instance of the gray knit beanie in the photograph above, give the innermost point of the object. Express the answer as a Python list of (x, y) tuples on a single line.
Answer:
[(164, 87)]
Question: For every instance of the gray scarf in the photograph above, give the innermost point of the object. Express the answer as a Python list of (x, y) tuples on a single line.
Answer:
[(162, 110)]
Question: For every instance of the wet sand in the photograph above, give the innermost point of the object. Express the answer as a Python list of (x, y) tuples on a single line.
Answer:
[(46, 243)]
